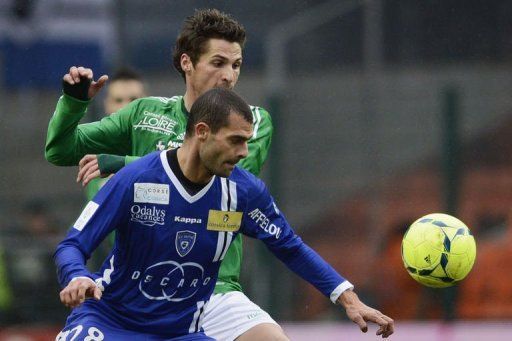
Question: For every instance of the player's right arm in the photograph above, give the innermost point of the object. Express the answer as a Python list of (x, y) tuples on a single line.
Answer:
[(263, 220), (106, 212), (67, 141)]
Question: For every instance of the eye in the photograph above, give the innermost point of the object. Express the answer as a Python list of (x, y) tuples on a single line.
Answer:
[(236, 66)]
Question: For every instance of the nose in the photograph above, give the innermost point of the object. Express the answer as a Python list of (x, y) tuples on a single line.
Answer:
[(244, 151), (228, 76)]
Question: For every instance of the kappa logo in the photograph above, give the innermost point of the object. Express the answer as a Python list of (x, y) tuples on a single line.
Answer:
[(187, 220), (185, 241), (148, 216), (151, 193)]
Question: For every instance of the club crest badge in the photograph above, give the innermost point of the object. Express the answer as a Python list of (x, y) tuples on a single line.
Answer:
[(185, 242)]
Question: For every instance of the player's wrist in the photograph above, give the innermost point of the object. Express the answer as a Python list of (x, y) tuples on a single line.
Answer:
[(348, 298), (82, 277), (110, 164)]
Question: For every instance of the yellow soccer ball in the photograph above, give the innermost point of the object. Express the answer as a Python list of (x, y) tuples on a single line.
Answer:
[(438, 250)]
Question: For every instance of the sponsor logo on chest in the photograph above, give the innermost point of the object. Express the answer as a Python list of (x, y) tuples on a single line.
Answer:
[(156, 123), (147, 215), (151, 193), (224, 221)]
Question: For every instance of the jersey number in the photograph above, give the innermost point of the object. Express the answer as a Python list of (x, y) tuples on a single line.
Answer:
[(93, 334)]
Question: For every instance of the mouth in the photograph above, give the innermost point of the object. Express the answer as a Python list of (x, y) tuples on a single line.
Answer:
[(230, 164), (226, 86)]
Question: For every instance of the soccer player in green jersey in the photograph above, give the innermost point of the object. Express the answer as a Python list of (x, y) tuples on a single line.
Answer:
[(124, 87), (208, 54)]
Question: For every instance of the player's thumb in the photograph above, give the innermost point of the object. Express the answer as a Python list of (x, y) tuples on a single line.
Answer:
[(359, 320), (97, 85), (101, 81)]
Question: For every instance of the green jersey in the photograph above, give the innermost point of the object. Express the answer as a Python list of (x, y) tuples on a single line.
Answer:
[(94, 186), (143, 126)]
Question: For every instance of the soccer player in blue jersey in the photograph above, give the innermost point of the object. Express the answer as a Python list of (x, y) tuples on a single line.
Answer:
[(175, 214)]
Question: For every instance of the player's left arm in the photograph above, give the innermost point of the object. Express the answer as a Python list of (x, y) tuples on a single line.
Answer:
[(259, 144), (263, 220)]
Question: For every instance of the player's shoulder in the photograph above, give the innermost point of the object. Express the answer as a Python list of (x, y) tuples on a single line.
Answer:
[(261, 119), (159, 102), (246, 181), (143, 167), (259, 111)]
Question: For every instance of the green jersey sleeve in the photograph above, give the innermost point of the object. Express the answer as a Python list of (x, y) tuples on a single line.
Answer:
[(259, 144), (67, 141)]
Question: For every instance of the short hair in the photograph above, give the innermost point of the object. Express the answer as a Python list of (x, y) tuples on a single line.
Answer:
[(197, 29), (126, 74), (214, 107)]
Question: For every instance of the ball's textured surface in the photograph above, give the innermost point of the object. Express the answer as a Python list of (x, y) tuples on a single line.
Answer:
[(438, 250)]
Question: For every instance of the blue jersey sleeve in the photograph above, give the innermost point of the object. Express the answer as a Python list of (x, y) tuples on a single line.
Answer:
[(100, 216), (264, 221)]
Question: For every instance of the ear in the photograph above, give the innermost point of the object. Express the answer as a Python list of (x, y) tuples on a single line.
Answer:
[(186, 63), (202, 131)]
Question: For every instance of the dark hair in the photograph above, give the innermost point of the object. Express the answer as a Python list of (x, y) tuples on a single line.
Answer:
[(197, 29), (213, 108), (126, 74)]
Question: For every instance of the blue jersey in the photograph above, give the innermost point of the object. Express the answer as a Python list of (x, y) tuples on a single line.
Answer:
[(169, 245)]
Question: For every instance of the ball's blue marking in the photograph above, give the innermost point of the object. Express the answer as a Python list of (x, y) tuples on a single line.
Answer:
[(439, 223)]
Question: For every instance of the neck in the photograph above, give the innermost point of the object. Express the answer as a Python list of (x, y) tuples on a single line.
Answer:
[(191, 166), (190, 97)]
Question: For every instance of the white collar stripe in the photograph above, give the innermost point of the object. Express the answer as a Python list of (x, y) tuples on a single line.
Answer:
[(190, 198)]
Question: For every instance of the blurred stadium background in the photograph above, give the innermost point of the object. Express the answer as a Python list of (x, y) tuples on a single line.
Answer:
[(384, 110)]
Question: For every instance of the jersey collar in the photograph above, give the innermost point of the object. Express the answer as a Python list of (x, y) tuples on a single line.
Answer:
[(183, 192)]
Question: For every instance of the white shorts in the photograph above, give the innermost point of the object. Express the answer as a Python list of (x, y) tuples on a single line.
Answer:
[(229, 315)]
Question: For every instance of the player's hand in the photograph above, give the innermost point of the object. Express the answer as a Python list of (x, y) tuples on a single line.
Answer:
[(78, 290), (75, 73), (360, 313), (88, 169)]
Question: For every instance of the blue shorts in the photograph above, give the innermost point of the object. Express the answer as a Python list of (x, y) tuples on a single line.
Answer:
[(89, 328)]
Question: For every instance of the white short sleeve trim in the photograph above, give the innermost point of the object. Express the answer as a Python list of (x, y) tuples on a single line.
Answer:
[(335, 294)]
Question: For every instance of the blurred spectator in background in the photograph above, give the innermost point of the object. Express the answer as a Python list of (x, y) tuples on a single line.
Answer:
[(28, 256), (398, 286), (5, 291), (487, 292), (125, 86)]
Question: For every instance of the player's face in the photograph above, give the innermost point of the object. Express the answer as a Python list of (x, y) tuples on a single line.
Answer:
[(222, 151), (122, 92), (219, 66)]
